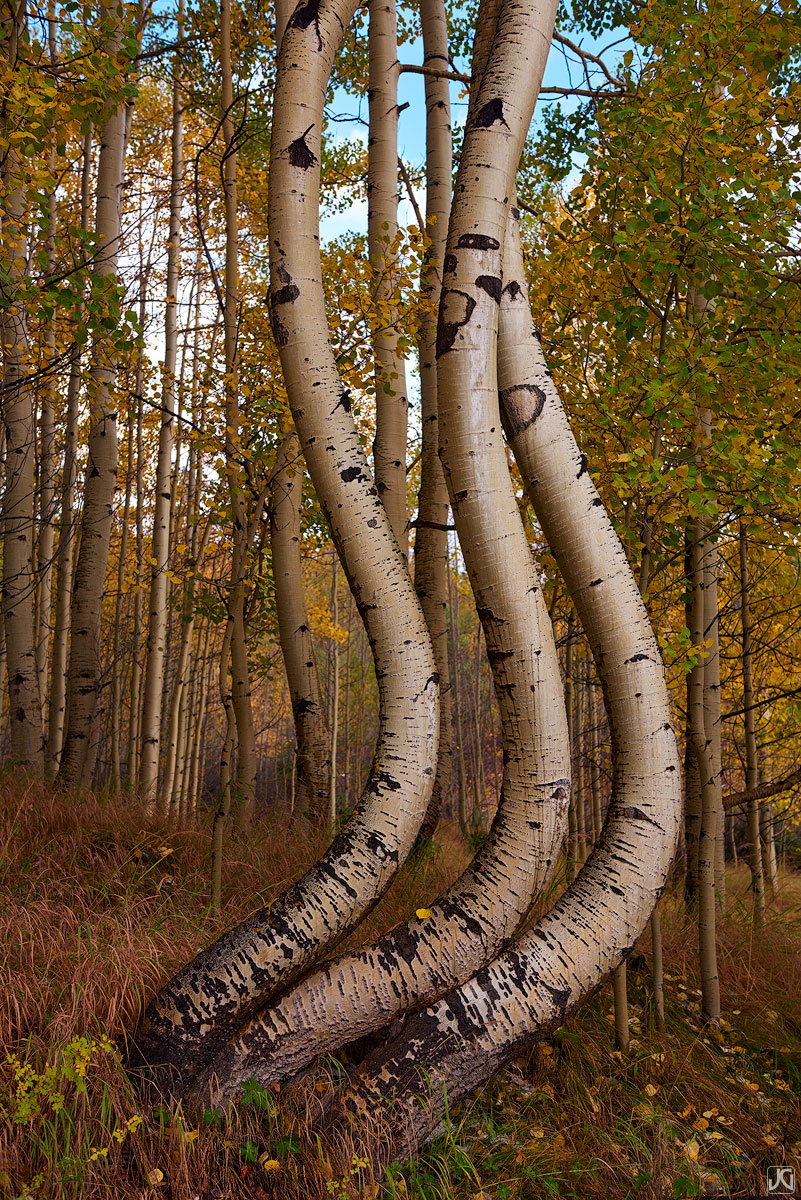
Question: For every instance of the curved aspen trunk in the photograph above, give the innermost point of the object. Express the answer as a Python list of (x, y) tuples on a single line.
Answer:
[(391, 405), (475, 918), (150, 731), (431, 536), (448, 1050), (313, 761), (84, 675), (188, 1020)]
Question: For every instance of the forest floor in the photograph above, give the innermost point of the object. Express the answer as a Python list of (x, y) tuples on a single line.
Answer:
[(98, 906)]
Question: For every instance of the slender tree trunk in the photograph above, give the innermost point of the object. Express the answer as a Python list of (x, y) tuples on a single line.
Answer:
[(237, 593), (313, 761), (160, 547), (224, 808), (572, 823), (453, 586), (751, 763), (431, 536), (84, 676), (116, 665), (333, 698), (712, 710), (135, 728), (769, 863), (692, 779), (46, 540), (707, 875), (392, 405), (20, 433)]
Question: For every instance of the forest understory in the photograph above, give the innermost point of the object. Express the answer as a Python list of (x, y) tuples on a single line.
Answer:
[(99, 905)]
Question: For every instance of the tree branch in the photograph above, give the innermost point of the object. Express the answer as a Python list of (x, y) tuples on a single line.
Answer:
[(764, 791)]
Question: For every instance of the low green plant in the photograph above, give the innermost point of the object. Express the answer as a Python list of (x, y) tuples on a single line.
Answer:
[(65, 1110)]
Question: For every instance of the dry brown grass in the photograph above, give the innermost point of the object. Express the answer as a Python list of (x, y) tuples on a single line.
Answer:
[(98, 906)]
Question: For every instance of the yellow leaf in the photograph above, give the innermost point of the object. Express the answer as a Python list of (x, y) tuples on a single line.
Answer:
[(269, 1164), (650, 1090), (711, 1112), (321, 1086), (422, 913), (700, 1123), (155, 1177), (691, 1150)]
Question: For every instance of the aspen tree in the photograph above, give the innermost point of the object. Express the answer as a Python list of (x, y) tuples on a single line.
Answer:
[(313, 760), (25, 717), (237, 592), (431, 532), (84, 676), (710, 987), (392, 405), (46, 539), (446, 1051), (160, 545), (333, 696), (476, 916), (190, 1018), (137, 675), (116, 652)]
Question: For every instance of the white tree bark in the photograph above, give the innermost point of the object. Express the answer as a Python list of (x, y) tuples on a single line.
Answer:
[(25, 717), (84, 675), (186, 1022), (160, 545), (313, 762), (392, 405), (451, 1048), (431, 536)]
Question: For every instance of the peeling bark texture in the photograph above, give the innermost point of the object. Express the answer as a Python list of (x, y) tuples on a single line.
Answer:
[(198, 1009), (431, 538), (313, 759), (447, 1050), (391, 404), (84, 682)]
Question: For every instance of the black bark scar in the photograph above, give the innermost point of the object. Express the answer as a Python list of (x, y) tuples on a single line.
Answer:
[(299, 153), (305, 15), (489, 113), (520, 407), (447, 330), (477, 241), (490, 284)]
